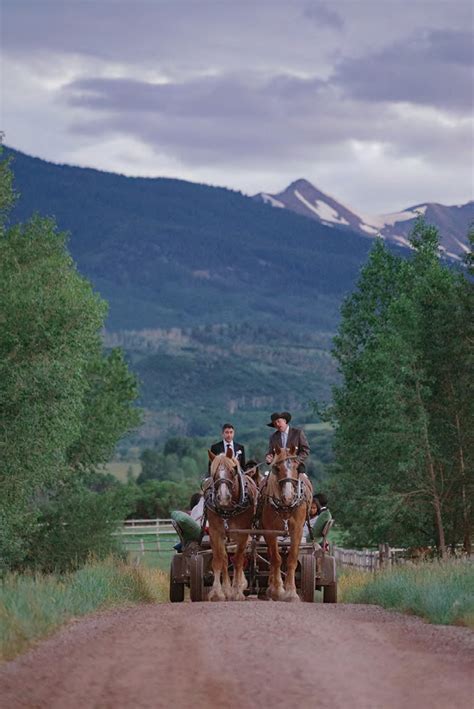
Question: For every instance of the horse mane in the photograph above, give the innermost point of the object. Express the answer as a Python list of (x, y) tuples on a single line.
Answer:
[(223, 458)]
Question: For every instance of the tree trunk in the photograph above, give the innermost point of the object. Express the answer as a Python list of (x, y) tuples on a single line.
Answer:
[(466, 502), (436, 500)]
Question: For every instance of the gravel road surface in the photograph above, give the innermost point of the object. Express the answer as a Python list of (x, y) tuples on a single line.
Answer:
[(245, 655)]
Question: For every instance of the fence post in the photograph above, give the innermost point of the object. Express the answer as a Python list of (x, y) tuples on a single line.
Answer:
[(384, 556)]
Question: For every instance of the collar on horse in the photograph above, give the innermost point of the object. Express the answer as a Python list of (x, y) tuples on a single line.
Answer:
[(244, 502)]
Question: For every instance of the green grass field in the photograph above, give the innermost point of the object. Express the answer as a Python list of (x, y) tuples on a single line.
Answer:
[(440, 592), (120, 469), (152, 558)]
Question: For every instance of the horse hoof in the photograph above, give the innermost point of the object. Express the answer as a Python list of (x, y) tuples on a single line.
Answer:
[(291, 597), (239, 596), (215, 596)]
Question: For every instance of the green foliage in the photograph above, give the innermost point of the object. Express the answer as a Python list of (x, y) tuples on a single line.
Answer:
[(404, 412), (155, 498), (108, 400), (74, 522), (63, 405)]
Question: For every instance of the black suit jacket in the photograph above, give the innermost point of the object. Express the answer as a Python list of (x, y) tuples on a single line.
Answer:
[(217, 448), (296, 437)]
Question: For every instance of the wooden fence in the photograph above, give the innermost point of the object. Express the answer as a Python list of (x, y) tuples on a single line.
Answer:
[(372, 560), (147, 535)]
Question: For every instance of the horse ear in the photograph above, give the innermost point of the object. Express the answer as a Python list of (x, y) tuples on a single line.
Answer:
[(211, 455), (292, 450), (277, 449), (229, 453)]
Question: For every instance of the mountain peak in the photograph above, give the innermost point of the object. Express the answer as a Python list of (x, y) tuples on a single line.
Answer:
[(301, 183), (303, 197)]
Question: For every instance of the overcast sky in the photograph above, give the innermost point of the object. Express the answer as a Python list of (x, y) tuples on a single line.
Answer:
[(370, 100)]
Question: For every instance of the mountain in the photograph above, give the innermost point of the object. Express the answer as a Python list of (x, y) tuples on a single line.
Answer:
[(168, 253), (224, 306), (305, 199)]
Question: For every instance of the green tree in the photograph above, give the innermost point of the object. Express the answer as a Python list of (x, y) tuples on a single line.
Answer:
[(404, 411), (63, 404)]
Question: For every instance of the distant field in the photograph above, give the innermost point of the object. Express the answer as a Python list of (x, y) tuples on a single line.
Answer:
[(120, 469), (318, 426), (153, 557)]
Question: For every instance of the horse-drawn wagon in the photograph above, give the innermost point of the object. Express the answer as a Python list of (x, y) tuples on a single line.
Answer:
[(316, 570), (255, 533)]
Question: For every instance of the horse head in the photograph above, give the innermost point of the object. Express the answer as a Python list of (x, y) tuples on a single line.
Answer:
[(285, 469), (223, 473)]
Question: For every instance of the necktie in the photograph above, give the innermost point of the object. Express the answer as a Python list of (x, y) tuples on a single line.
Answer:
[(284, 438)]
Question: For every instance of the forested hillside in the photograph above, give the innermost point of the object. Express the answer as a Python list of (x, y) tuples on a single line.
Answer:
[(253, 291), (167, 252)]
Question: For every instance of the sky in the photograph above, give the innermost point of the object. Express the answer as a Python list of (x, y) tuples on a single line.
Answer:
[(370, 100)]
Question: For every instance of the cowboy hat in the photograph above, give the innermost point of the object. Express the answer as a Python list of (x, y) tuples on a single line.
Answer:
[(282, 415)]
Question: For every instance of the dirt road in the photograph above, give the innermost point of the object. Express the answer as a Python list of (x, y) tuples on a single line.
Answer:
[(245, 655)]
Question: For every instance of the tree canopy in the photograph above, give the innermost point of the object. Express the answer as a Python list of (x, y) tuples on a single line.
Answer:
[(404, 413), (63, 402)]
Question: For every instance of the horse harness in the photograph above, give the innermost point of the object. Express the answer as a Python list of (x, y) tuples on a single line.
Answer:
[(244, 502), (297, 483)]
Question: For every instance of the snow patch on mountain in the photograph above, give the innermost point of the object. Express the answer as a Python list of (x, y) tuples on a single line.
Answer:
[(368, 229), (323, 210), (304, 198), (383, 220), (268, 199)]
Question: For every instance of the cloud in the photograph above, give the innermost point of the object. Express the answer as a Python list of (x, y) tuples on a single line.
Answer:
[(322, 15), (231, 119), (431, 68), (369, 99)]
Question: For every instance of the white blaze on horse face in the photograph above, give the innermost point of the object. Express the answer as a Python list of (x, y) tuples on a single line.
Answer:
[(287, 491), (224, 497)]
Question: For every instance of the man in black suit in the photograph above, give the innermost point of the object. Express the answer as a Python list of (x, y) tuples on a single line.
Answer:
[(227, 442), (286, 436)]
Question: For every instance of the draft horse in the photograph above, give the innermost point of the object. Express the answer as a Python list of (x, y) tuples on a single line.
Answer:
[(285, 501), (230, 499)]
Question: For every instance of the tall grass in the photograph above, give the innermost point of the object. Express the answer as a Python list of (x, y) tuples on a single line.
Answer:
[(33, 606), (440, 592)]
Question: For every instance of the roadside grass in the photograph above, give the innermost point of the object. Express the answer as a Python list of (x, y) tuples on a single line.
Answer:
[(440, 592), (33, 606)]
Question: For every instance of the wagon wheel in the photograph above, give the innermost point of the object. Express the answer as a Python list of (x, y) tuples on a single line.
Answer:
[(196, 578), (330, 593), (176, 589), (308, 574)]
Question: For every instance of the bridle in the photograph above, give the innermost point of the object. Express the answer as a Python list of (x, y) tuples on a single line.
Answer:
[(298, 493), (242, 504)]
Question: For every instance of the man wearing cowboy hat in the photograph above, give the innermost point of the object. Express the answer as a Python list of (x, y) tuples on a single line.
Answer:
[(286, 437)]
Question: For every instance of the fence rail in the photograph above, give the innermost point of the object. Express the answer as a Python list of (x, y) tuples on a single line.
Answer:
[(370, 560), (141, 536)]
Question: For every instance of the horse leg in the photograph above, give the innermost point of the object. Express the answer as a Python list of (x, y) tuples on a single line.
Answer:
[(240, 582), (296, 530), (275, 584), (219, 561), (226, 584)]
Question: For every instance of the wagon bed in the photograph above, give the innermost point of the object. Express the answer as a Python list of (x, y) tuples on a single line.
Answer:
[(316, 568)]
